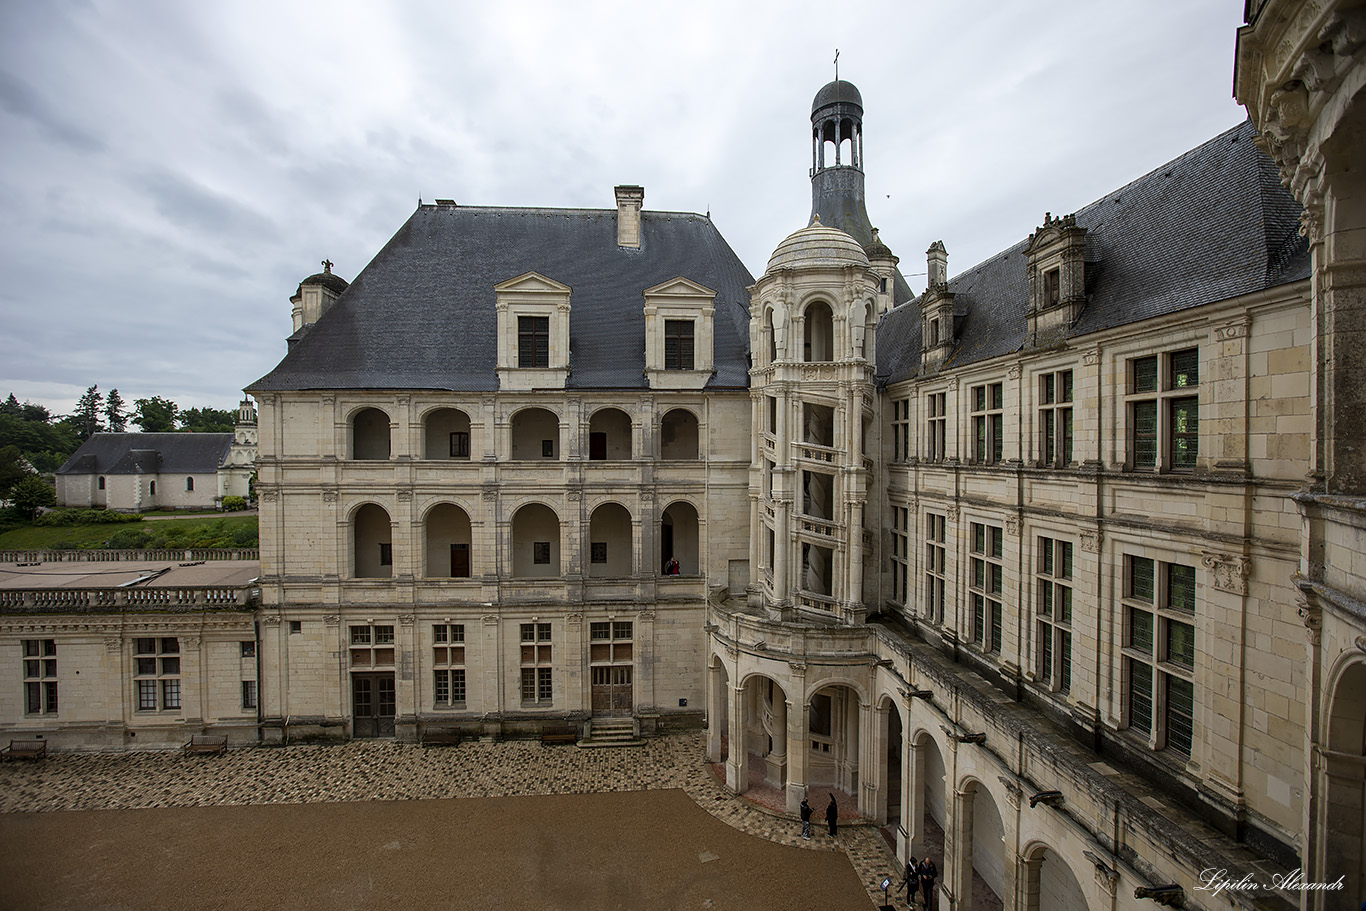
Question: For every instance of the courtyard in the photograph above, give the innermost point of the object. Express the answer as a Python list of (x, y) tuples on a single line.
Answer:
[(378, 824)]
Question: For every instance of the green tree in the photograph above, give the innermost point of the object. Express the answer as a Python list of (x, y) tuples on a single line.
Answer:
[(12, 469), (87, 413), (11, 406), (114, 412), (155, 415), (32, 493), (207, 420)]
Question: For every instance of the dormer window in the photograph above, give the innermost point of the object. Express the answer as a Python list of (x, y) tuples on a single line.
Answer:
[(678, 334), (533, 341), (533, 332), (932, 334), (1056, 254), (678, 344)]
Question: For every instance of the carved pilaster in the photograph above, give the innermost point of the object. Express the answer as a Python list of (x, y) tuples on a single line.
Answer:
[(329, 495), (271, 620), (1013, 791), (111, 643), (574, 618), (1012, 525), (1311, 615), (490, 619), (407, 620), (1091, 358), (332, 619)]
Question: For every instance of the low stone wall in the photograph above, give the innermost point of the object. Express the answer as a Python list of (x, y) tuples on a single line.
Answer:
[(99, 556)]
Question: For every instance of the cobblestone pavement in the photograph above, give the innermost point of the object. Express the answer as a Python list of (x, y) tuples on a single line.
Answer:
[(384, 770)]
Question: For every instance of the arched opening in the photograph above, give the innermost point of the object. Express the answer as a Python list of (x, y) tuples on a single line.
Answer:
[(930, 802), (152, 488), (678, 435), (892, 770), (818, 342), (535, 542), (535, 435), (372, 543), (1049, 883), (101, 484), (609, 435), (678, 540), (1345, 784), (189, 485), (833, 738), (446, 434), (370, 435), (770, 335), (982, 847), (446, 531), (765, 712), (611, 546)]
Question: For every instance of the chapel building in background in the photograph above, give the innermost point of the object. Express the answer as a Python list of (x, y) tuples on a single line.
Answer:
[(1054, 566)]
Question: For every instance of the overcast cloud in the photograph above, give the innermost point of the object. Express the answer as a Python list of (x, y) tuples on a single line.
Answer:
[(171, 170)]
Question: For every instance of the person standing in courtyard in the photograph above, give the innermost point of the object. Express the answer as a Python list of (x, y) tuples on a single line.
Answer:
[(910, 882), (806, 819), (832, 816), (928, 873)]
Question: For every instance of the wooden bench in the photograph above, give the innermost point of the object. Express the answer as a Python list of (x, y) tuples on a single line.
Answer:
[(549, 739), (216, 744), (25, 749), (441, 738)]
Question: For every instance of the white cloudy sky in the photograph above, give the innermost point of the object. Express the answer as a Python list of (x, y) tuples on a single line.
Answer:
[(170, 169)]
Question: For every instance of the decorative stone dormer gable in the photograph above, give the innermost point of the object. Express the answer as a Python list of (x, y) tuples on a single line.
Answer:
[(936, 310), (678, 334), (533, 332), (630, 199), (1056, 255)]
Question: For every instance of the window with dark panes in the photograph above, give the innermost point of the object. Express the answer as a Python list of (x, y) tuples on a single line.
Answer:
[(533, 341)]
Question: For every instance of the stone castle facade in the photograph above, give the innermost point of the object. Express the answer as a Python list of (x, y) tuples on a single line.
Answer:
[(1027, 562)]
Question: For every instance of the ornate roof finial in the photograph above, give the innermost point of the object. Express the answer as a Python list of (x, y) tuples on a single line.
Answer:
[(815, 221), (327, 266), (837, 64)]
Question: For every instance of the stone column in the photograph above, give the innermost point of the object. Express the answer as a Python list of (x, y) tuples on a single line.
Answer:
[(1030, 869), (798, 745), (912, 798), (776, 760), (737, 764), (875, 768), (956, 890), (716, 710)]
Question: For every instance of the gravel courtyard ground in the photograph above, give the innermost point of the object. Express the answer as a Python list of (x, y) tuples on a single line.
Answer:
[(370, 825)]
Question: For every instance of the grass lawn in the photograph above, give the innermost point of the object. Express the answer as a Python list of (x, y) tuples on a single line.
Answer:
[(172, 533)]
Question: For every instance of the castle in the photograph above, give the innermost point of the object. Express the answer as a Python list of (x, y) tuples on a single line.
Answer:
[(1028, 561)]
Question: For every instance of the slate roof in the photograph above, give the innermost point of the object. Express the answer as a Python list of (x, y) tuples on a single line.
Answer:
[(422, 314), (149, 453), (1211, 225)]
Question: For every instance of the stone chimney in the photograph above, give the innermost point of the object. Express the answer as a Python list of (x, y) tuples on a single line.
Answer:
[(629, 201), (937, 257)]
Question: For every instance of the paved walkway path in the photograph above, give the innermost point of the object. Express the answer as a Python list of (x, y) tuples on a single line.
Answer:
[(383, 770)]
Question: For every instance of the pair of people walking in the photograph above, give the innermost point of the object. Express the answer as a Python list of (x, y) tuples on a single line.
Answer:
[(920, 876), (832, 816)]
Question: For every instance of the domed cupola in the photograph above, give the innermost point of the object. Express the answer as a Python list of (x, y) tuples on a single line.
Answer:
[(817, 247), (315, 295)]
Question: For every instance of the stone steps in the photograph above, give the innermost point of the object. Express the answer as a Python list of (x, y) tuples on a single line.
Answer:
[(611, 732)]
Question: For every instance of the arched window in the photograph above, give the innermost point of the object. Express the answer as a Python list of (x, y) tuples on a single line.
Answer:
[(370, 435), (610, 544), (772, 336), (189, 484), (373, 543), (535, 542), (609, 435), (152, 488), (535, 435), (678, 435), (447, 534), (446, 433), (101, 482), (818, 345)]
